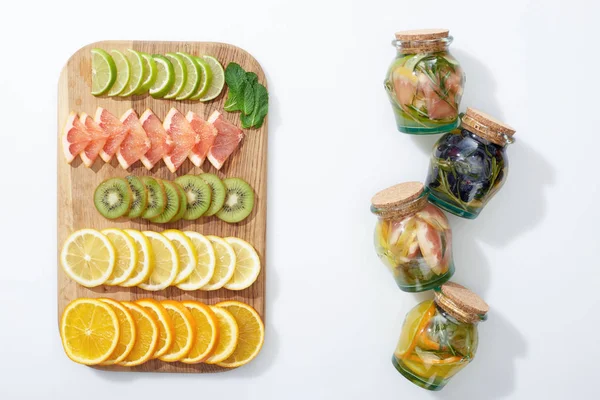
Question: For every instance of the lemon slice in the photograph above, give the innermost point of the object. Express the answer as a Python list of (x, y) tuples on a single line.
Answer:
[(137, 72), (126, 333), (205, 267), (224, 266), (193, 77), (185, 331), (166, 263), (228, 336), (127, 255), (104, 72), (89, 330), (247, 264), (123, 73), (145, 262), (88, 257), (180, 70), (207, 332), (251, 333), (166, 329), (218, 79), (186, 252)]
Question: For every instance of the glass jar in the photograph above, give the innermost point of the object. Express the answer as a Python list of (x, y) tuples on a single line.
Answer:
[(439, 337), (469, 165), (424, 82), (412, 237)]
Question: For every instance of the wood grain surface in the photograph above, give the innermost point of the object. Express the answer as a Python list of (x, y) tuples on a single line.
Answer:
[(76, 183)]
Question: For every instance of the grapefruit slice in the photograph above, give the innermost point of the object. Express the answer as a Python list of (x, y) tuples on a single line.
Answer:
[(75, 137), (228, 138), (183, 137), (116, 133), (207, 134), (160, 143), (135, 144), (98, 136)]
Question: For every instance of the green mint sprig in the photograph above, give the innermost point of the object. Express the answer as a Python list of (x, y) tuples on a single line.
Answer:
[(246, 95)]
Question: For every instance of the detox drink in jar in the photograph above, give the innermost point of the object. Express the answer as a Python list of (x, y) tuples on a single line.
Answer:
[(425, 82), (439, 337)]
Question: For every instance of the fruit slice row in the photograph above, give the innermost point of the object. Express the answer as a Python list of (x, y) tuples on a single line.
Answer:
[(108, 332), (154, 261), (179, 75), (148, 139), (189, 197)]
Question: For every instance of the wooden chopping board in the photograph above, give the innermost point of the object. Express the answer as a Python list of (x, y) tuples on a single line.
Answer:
[(76, 183)]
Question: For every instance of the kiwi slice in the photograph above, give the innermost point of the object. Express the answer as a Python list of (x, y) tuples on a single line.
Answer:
[(217, 190), (113, 198), (198, 195), (239, 200), (140, 196), (157, 199), (182, 203), (172, 206)]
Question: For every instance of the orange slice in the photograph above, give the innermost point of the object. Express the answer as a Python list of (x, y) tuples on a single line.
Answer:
[(251, 333), (185, 331), (126, 333), (146, 335), (228, 336), (207, 332), (166, 330), (89, 330)]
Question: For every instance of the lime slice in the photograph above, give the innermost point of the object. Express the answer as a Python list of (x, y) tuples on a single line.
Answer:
[(165, 77), (180, 75), (138, 69), (218, 79), (104, 72), (193, 77), (150, 73), (123, 72), (205, 80)]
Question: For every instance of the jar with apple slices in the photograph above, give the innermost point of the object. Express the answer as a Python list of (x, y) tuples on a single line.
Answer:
[(412, 237)]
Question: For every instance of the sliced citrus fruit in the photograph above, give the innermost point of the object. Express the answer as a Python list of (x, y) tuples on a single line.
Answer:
[(205, 267), (89, 330), (126, 253), (247, 264), (207, 134), (180, 71), (166, 329), (98, 136), (88, 257), (145, 261), (207, 332), (116, 133), (183, 137), (166, 263), (75, 137), (165, 77), (160, 142), (251, 335), (188, 259), (205, 78), (417, 319), (224, 264), (218, 79), (149, 74), (185, 331), (137, 72), (126, 333), (123, 73), (146, 335), (228, 138), (193, 77), (136, 143), (228, 336), (104, 72)]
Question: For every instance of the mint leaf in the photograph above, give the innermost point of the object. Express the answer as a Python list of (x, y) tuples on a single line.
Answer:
[(249, 97), (251, 78), (261, 107), (235, 77), (235, 99)]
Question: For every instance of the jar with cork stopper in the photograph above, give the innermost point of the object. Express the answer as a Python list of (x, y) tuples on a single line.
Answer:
[(412, 237), (469, 165), (439, 337), (425, 82)]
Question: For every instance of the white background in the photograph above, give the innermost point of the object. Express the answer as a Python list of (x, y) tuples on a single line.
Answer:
[(333, 311)]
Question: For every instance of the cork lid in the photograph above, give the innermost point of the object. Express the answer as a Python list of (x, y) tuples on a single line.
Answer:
[(401, 199), (461, 303), (488, 126), (422, 34)]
